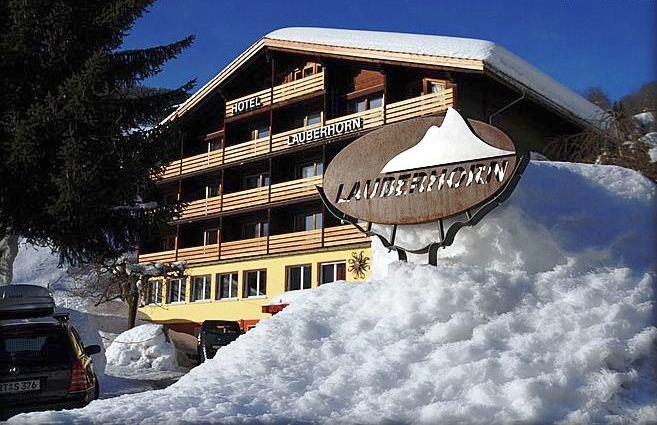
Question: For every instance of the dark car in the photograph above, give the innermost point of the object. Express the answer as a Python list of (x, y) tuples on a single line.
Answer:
[(43, 362), (215, 334)]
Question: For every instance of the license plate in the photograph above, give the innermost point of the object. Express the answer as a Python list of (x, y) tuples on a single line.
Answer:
[(20, 386)]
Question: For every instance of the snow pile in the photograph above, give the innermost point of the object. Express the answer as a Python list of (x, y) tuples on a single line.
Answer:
[(544, 312), (141, 351), (287, 297)]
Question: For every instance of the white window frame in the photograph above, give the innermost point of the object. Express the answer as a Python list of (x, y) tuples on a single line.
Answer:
[(316, 163), (335, 268), (156, 289), (205, 236), (182, 296), (302, 284), (315, 217), (207, 282), (230, 296), (258, 283)]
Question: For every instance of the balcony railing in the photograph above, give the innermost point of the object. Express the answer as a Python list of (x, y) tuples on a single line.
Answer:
[(275, 244), (251, 197), (281, 93), (389, 113)]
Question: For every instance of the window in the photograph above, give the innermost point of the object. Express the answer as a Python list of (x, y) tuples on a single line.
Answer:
[(177, 288), (433, 86), (306, 221), (311, 169), (330, 272), (365, 103), (361, 105), (260, 132), (298, 277), (255, 230), (314, 118), (201, 288), (213, 186), (305, 71), (226, 286), (255, 283), (171, 198), (45, 344), (154, 292), (214, 145), (168, 243), (376, 101), (253, 181), (211, 237)]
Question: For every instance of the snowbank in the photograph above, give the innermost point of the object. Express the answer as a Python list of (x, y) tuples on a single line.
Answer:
[(141, 351), (544, 312)]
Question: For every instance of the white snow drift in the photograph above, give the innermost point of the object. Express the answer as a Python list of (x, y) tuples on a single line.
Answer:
[(141, 351), (544, 312)]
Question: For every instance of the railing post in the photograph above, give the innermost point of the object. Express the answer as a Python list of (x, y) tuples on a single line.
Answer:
[(175, 255), (268, 224), (220, 236), (271, 105), (221, 192), (385, 95)]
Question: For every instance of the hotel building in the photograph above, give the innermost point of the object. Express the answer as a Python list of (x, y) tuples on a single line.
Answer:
[(258, 136)]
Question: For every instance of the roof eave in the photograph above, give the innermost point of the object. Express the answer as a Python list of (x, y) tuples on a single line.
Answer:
[(564, 112)]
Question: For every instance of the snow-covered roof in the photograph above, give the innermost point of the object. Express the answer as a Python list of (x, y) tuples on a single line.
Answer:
[(495, 57), (454, 52)]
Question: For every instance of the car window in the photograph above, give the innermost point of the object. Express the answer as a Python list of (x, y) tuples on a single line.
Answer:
[(29, 344)]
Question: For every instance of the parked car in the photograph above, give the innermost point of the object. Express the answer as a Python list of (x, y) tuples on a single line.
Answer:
[(44, 364), (215, 334)]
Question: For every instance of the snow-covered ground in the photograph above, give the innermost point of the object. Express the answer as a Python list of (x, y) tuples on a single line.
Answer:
[(545, 312)]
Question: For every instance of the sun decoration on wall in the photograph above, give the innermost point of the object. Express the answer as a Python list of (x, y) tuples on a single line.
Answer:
[(359, 264)]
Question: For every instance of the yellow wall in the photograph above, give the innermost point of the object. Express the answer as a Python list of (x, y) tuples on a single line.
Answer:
[(244, 308)]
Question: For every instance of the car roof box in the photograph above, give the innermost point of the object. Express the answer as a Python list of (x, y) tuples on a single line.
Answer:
[(18, 301)]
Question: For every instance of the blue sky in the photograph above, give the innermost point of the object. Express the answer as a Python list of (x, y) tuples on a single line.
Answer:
[(606, 43)]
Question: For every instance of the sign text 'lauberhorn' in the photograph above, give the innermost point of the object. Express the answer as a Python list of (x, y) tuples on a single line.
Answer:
[(326, 131)]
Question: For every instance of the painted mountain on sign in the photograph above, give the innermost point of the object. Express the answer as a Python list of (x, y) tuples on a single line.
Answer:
[(450, 143)]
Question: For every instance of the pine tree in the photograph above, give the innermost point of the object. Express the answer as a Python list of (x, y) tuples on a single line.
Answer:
[(79, 138)]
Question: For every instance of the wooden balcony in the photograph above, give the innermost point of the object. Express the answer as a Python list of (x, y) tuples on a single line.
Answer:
[(279, 94), (275, 244), (373, 118), (252, 197)]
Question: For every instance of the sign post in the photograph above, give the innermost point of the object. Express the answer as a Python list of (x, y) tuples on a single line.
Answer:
[(429, 169)]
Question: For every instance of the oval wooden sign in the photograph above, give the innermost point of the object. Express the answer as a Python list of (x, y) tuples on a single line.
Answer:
[(420, 170)]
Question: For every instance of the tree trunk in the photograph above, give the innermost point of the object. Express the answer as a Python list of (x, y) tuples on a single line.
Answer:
[(133, 304), (133, 301), (8, 253)]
